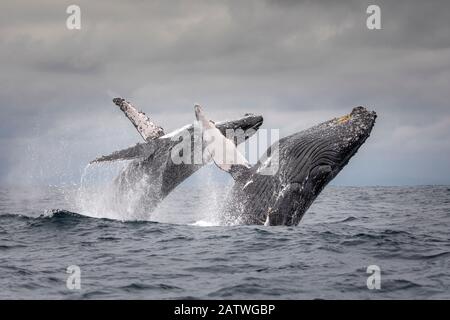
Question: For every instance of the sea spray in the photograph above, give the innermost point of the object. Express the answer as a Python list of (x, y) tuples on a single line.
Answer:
[(209, 198), (100, 196), (215, 186), (97, 195)]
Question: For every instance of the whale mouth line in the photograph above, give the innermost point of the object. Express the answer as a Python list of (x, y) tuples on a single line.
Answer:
[(257, 125)]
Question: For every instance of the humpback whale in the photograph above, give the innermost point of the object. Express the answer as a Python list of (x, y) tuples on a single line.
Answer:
[(306, 162), (152, 174)]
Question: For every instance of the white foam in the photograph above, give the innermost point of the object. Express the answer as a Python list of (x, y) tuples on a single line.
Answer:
[(204, 223), (97, 194)]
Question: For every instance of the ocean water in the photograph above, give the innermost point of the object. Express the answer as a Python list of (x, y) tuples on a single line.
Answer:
[(180, 252)]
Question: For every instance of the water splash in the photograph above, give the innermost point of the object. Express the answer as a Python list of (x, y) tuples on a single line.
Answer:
[(100, 197), (205, 223), (215, 187), (97, 195), (83, 175)]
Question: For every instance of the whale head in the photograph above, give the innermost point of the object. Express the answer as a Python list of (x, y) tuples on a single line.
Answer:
[(242, 128), (309, 159)]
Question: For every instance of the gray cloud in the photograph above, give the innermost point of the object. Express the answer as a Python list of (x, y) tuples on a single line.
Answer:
[(295, 62)]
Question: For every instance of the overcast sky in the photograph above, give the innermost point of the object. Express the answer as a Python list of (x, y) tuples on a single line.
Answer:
[(295, 62)]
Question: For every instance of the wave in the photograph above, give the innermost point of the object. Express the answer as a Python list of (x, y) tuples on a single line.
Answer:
[(62, 214), (348, 219), (143, 287), (48, 214), (419, 256), (205, 223)]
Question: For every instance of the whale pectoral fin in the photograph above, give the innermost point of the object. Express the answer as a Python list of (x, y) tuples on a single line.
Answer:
[(140, 150), (146, 128), (223, 151), (317, 176), (321, 171)]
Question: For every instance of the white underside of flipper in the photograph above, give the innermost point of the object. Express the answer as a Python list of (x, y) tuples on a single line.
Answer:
[(222, 150)]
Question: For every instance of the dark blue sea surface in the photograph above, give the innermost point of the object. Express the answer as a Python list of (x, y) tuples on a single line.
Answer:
[(181, 254)]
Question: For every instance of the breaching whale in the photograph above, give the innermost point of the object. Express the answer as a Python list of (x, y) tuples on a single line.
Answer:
[(306, 162), (152, 174)]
